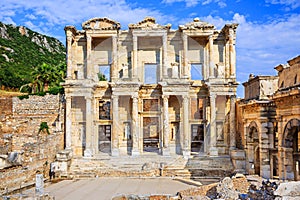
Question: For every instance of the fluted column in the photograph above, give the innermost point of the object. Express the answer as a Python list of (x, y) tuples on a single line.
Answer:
[(135, 57), (185, 62), (211, 57), (89, 68), (165, 55), (186, 134), (166, 133), (213, 151), (135, 132), (69, 56), (114, 67), (88, 127), (68, 123), (115, 128), (232, 123), (231, 54)]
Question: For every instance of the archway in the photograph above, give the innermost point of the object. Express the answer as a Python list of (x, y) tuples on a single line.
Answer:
[(292, 141), (253, 149)]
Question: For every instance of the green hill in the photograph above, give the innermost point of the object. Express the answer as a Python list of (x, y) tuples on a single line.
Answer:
[(22, 51)]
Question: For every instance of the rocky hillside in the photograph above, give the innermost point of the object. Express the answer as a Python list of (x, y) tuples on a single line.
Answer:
[(21, 50)]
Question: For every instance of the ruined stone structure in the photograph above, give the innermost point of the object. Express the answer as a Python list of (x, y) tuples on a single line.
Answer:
[(269, 123), (150, 88), (25, 148)]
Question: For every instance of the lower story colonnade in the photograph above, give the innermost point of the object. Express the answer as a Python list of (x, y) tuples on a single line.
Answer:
[(148, 120)]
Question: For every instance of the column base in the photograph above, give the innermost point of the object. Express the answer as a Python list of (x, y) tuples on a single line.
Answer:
[(186, 154), (213, 151), (135, 152), (166, 152), (115, 153), (88, 153)]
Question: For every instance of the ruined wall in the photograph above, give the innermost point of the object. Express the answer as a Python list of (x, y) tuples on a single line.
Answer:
[(30, 150)]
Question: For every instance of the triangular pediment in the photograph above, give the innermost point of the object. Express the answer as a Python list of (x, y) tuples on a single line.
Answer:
[(148, 24), (101, 24)]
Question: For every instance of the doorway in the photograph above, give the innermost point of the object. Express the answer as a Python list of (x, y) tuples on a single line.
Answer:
[(150, 134), (197, 138), (104, 143)]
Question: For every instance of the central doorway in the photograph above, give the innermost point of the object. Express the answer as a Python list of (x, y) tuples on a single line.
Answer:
[(104, 143), (150, 134), (197, 138)]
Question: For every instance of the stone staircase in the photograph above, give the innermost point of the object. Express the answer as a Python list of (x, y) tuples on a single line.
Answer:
[(198, 168)]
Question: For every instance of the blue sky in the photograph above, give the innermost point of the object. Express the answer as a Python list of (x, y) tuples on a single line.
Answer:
[(268, 34)]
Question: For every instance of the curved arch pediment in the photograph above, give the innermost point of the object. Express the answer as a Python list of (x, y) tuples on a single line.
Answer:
[(101, 23)]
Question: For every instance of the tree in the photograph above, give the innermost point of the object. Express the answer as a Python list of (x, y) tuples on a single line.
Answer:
[(45, 76)]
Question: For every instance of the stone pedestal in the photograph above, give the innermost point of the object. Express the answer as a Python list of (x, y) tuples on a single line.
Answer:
[(135, 152), (63, 161), (88, 153), (213, 151), (166, 151), (115, 152), (186, 154), (238, 158)]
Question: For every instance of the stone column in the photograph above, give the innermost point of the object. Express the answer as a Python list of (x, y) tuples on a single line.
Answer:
[(69, 56), (68, 123), (89, 68), (115, 128), (135, 132), (232, 123), (186, 134), (88, 127), (95, 126), (231, 54), (114, 67), (213, 151), (227, 61), (165, 55), (166, 125), (211, 57), (185, 48), (135, 57)]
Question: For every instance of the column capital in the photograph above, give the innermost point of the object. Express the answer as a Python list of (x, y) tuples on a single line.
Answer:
[(134, 38), (165, 96), (114, 96), (213, 96), (88, 98), (88, 38)]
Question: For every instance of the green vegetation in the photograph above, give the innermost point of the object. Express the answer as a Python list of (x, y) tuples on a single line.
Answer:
[(30, 61), (44, 127)]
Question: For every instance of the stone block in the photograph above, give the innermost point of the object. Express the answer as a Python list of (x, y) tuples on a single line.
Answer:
[(289, 189)]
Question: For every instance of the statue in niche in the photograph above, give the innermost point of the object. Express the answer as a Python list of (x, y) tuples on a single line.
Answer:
[(220, 135)]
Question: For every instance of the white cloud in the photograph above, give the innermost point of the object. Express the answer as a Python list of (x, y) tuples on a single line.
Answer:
[(289, 3), (30, 16), (8, 20), (192, 3)]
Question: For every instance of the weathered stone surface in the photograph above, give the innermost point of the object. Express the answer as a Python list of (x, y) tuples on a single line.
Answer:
[(289, 189), (27, 149)]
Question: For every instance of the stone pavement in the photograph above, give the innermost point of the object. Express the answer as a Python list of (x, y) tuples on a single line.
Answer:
[(104, 188)]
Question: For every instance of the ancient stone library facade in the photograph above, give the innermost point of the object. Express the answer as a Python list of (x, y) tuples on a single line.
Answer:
[(150, 88), (268, 123)]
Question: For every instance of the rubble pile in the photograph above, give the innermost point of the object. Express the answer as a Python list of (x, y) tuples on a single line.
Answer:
[(244, 188)]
